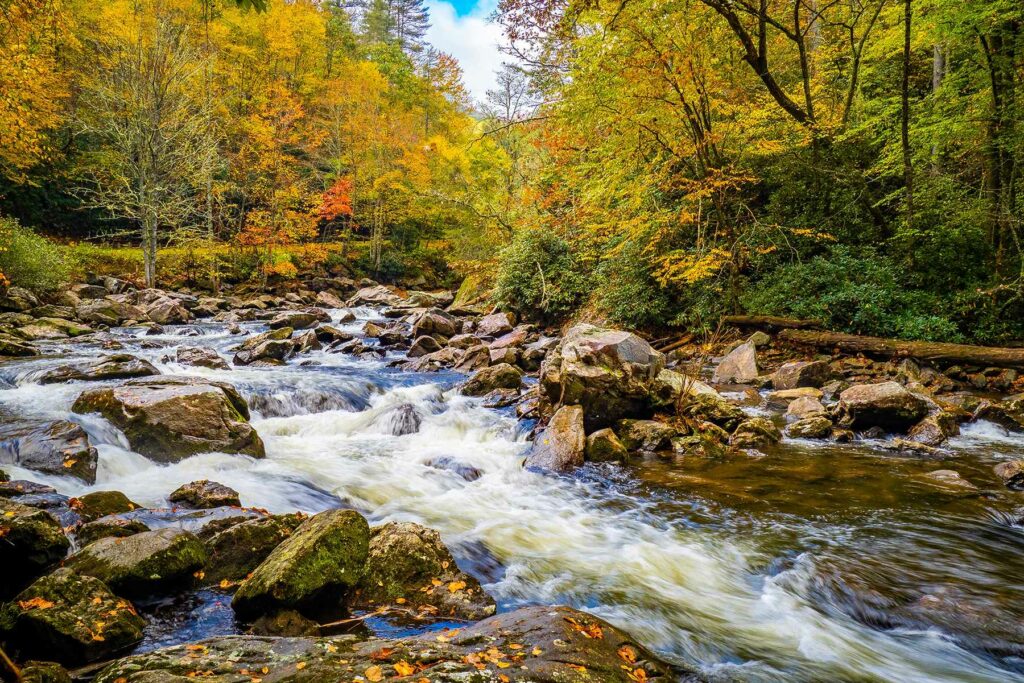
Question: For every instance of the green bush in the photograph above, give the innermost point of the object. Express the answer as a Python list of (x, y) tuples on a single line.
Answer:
[(540, 277), (31, 261), (628, 292), (855, 291)]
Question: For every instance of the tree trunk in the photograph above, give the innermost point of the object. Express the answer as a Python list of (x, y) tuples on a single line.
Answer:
[(908, 166), (770, 322), (948, 354)]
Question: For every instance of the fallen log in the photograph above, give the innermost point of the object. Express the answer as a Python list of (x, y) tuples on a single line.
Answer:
[(936, 352), (770, 322)]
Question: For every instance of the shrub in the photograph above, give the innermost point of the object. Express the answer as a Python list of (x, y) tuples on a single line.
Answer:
[(31, 261), (628, 292), (540, 277)]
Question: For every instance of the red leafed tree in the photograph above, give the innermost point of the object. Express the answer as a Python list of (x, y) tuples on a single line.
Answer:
[(337, 201)]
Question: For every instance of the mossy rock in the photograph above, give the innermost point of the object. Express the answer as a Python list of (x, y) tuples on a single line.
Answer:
[(113, 527), (500, 376), (142, 564), (409, 562), (71, 618), (30, 542), (35, 671), (755, 432), (322, 559), (92, 506), (237, 550), (713, 409)]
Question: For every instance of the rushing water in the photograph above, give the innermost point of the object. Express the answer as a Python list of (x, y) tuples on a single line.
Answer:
[(813, 563)]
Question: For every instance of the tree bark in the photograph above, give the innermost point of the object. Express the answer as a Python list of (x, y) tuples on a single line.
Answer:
[(908, 165), (770, 322), (937, 352)]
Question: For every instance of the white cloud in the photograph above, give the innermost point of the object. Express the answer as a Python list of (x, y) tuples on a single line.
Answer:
[(471, 39)]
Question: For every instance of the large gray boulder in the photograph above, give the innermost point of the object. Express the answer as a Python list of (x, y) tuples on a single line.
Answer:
[(561, 446), (814, 373), (237, 550), (17, 299), (142, 564), (60, 448), (168, 419), (501, 376), (168, 311), (609, 373), (117, 366), (297, 320), (495, 324), (887, 405), (739, 366), (436, 322), (203, 495), (200, 357), (375, 295)]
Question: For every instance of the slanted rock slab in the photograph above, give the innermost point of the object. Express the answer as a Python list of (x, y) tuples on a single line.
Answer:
[(60, 448), (204, 494), (739, 366), (560, 447), (486, 380)]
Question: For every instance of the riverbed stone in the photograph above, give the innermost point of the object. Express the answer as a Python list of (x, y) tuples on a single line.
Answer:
[(320, 562), (495, 324), (37, 671), (486, 380), (375, 295), (168, 419), (237, 550), (142, 564), (474, 358), (203, 495), (60, 448), (713, 408), (421, 346), (297, 320), (71, 618), (804, 407), (30, 541), (738, 367), (604, 446), (815, 426), (812, 373), (112, 526), (436, 322), (887, 405), (168, 311), (200, 357), (97, 504), (560, 447), (15, 348), (949, 479), (935, 428), (647, 436), (755, 432), (116, 366), (409, 563), (1011, 473), (17, 299), (328, 334)]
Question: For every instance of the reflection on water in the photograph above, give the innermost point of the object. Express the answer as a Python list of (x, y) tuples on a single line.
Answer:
[(824, 563)]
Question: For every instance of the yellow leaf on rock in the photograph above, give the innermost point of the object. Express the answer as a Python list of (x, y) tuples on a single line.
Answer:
[(374, 674), (403, 668), (35, 603), (456, 586), (300, 666)]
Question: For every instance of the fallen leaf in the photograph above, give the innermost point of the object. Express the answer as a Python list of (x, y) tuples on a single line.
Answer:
[(404, 668), (400, 601), (200, 574), (456, 586), (300, 666), (382, 654), (70, 463), (627, 653), (374, 674), (35, 603), (537, 652), (638, 675), (224, 583)]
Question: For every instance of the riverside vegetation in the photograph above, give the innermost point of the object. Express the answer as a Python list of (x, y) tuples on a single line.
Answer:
[(555, 387)]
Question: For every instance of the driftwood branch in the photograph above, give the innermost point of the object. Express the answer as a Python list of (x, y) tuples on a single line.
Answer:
[(936, 352)]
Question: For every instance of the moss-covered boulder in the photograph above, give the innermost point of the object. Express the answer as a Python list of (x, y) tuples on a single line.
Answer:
[(59, 447), (204, 494), (322, 560), (486, 380), (109, 527), (168, 419), (98, 504), (408, 564), (237, 550), (604, 446), (30, 542), (71, 618), (35, 671), (534, 644), (142, 564), (647, 436), (117, 366), (705, 407), (755, 432), (12, 346), (886, 404)]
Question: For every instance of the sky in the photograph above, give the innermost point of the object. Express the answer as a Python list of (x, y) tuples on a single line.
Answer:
[(461, 28)]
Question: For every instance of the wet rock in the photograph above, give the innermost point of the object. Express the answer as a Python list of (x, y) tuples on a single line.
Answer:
[(560, 447), (435, 322), (35, 671), (648, 436), (307, 341), (109, 527), (71, 618), (532, 355), (329, 334), (108, 312), (204, 494), (495, 325), (949, 479), (89, 291), (401, 420), (15, 348), (18, 299), (329, 300), (887, 405), (563, 646), (738, 367), (60, 448), (200, 357), (30, 542), (607, 372), (704, 407), (372, 330), (804, 407), (93, 506), (782, 399), (116, 366), (408, 561), (237, 550), (814, 373), (934, 429), (168, 419), (467, 472), (816, 426), (474, 358), (284, 624), (142, 564), (421, 346), (604, 446), (501, 398), (321, 561), (393, 336), (464, 341), (19, 488), (375, 295), (297, 320), (432, 362), (1008, 413), (53, 328), (168, 311), (502, 376), (755, 432), (1011, 473), (508, 356)]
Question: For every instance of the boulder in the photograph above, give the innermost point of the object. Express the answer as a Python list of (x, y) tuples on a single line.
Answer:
[(116, 527), (755, 432), (738, 367), (70, 618), (604, 446), (297, 320), (52, 328), (116, 366), (934, 429), (200, 357), (168, 311), (17, 299), (237, 550), (464, 341), (60, 448), (534, 644), (35, 671), (495, 324), (346, 316), (93, 506), (805, 406), (434, 321), (15, 348), (645, 435), (506, 355), (783, 397), (168, 419), (321, 561), (408, 562), (108, 312), (813, 373), (328, 334), (713, 408), (887, 405), (400, 420), (475, 358), (1011, 473), (306, 341), (88, 291), (203, 495), (30, 542), (949, 479), (142, 564), (286, 623), (815, 426), (421, 346), (560, 447), (501, 376), (270, 352), (329, 300), (607, 372), (375, 295), (1008, 413)]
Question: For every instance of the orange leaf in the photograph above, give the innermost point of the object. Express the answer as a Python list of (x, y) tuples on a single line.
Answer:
[(35, 603), (403, 668), (374, 674)]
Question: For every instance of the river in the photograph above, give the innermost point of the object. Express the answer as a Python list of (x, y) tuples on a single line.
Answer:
[(813, 563)]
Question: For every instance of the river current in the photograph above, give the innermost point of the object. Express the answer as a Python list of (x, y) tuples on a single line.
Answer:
[(816, 562)]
